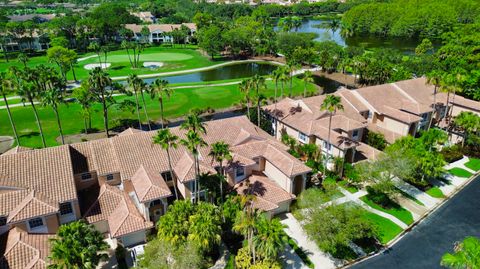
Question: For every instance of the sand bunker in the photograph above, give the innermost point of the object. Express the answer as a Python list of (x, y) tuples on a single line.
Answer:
[(152, 65), (92, 66)]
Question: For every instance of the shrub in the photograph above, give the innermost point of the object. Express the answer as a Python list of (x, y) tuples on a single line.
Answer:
[(378, 197), (452, 154), (376, 140)]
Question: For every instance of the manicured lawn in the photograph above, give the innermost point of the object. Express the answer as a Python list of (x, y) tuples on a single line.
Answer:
[(301, 253), (435, 192), (459, 172), (473, 164), (387, 230), (181, 101), (395, 210), (174, 59)]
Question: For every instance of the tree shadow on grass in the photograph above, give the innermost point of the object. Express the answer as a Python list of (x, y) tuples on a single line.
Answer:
[(29, 135)]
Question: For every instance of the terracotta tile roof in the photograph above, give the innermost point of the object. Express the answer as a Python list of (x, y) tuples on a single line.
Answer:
[(467, 103), (25, 251), (367, 152), (149, 185), (32, 205), (398, 114), (16, 149), (268, 193), (338, 140), (389, 135), (286, 163), (49, 172), (129, 131), (117, 208), (104, 156), (185, 168), (10, 199)]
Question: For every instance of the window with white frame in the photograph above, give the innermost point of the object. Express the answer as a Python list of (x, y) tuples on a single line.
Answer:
[(326, 146), (86, 176), (239, 172), (302, 137), (3, 221), (66, 208), (35, 223), (110, 177)]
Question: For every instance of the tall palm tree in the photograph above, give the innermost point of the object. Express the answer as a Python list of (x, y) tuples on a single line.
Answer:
[(307, 78), (134, 82), (466, 254), (331, 104), (258, 83), (245, 86), (434, 78), (160, 88), (220, 152), (167, 140), (283, 77), (84, 97), (245, 222), (334, 25), (98, 81), (6, 87), (53, 97), (276, 75), (289, 69), (193, 142), (30, 92), (23, 58)]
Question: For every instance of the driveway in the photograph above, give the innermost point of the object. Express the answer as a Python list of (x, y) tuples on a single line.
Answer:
[(424, 246)]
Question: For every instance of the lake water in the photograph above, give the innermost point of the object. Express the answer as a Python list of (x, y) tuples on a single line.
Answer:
[(325, 34), (234, 71)]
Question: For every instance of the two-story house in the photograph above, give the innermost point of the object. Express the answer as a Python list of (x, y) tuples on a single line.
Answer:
[(160, 33)]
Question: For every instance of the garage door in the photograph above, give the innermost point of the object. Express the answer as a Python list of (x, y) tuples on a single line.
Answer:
[(133, 239)]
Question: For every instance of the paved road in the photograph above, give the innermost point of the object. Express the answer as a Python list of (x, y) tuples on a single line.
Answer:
[(425, 245)]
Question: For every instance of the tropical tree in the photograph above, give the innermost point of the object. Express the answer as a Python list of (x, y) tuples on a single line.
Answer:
[(94, 46), (23, 58), (77, 245), (245, 223), (468, 122), (434, 78), (167, 140), (220, 152), (53, 97), (161, 254), (289, 69), (159, 88), (6, 87), (99, 81), (307, 78), (270, 238), (31, 92), (276, 75), (84, 98), (193, 142), (258, 83), (334, 25), (126, 45), (135, 85), (205, 228), (245, 86), (466, 255), (331, 104)]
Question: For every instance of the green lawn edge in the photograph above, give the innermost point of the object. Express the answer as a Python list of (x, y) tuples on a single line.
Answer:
[(435, 192), (400, 213), (460, 172), (387, 230), (301, 253), (473, 164)]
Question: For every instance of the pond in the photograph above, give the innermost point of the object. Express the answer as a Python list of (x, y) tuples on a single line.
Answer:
[(319, 27), (234, 71)]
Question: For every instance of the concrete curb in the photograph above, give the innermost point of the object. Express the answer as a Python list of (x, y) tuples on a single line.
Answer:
[(414, 224)]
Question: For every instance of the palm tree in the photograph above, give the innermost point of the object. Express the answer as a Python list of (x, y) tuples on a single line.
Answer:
[(331, 104), (434, 78), (245, 86), (270, 238), (220, 152), (258, 83), (77, 245), (245, 222), (307, 78), (167, 140), (126, 45), (334, 25), (84, 97), (466, 255), (98, 81), (97, 49), (283, 77), (289, 72), (6, 87), (468, 122), (193, 142), (30, 92), (276, 75), (160, 88), (53, 97), (134, 83)]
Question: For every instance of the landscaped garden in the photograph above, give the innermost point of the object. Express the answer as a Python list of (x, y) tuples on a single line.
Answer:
[(473, 164), (386, 229), (435, 192)]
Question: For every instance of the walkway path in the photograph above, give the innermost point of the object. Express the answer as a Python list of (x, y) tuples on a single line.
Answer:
[(87, 57), (290, 259), (421, 196), (319, 258), (17, 105), (355, 198)]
